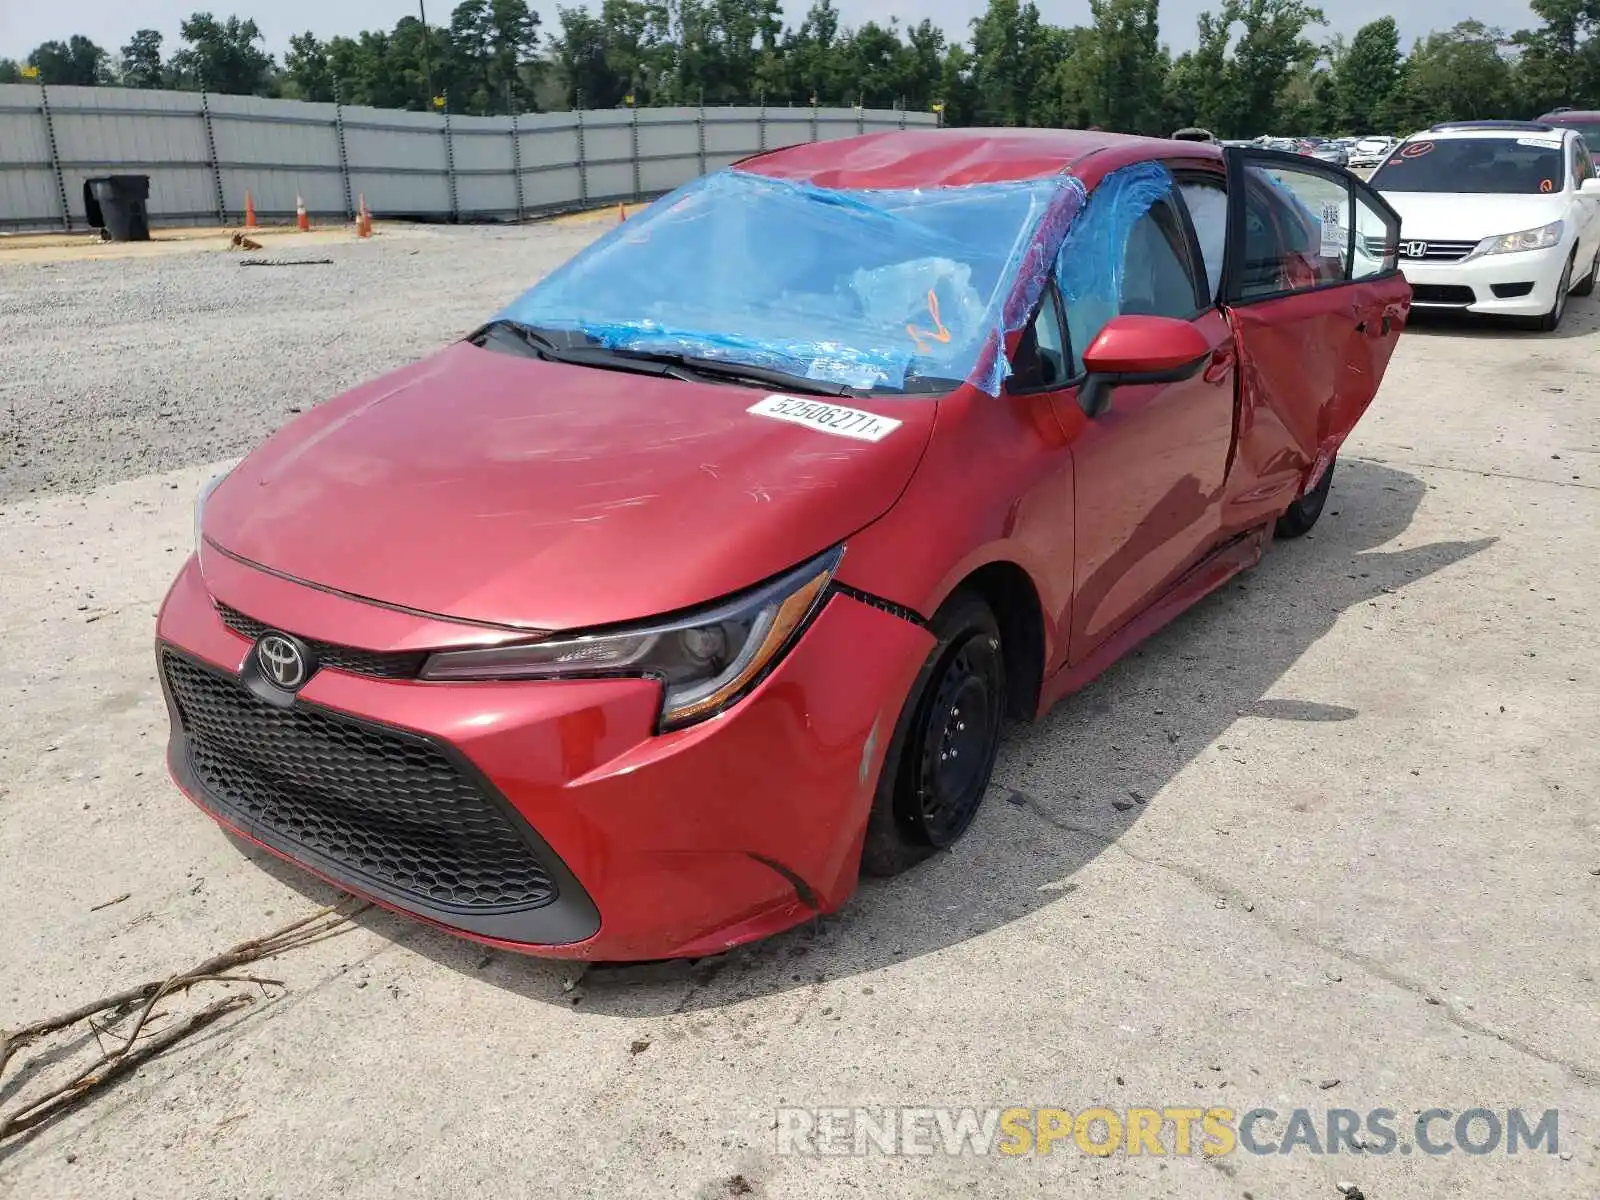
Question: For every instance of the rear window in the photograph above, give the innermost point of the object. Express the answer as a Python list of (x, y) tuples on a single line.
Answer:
[(1510, 166), (1589, 127)]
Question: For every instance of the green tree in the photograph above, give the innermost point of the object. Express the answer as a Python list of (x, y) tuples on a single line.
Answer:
[(75, 61), (811, 54), (1270, 48), (1200, 85), (141, 61), (957, 94), (307, 71), (875, 59), (222, 56), (1559, 63), (1008, 62), (1366, 75), (1458, 74), (925, 51), (1120, 67)]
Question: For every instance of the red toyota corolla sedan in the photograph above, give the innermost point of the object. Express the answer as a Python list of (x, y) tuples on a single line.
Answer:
[(640, 621)]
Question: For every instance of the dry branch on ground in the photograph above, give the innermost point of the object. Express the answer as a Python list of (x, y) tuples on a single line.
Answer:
[(139, 1044)]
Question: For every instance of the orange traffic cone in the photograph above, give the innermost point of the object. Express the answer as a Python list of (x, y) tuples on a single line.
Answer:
[(249, 211), (363, 219), (622, 212), (301, 217)]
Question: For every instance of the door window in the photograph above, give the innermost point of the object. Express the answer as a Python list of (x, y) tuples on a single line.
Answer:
[(1158, 278), (1208, 210), (1582, 163), (1377, 241), (1042, 361), (1297, 226)]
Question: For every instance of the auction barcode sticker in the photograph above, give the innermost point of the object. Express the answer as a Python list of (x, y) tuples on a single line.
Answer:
[(836, 419), (1333, 234)]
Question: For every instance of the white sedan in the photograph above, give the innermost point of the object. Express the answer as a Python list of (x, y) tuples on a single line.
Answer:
[(1498, 217), (1370, 151)]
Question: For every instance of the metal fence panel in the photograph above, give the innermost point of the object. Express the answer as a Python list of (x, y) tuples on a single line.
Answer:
[(31, 190), (551, 189), (22, 131), (203, 153), (732, 135)]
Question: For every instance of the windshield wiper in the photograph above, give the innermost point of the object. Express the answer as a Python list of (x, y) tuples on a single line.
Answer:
[(531, 340), (716, 368), (670, 364)]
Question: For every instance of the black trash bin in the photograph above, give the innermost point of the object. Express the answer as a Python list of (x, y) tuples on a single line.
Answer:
[(116, 203)]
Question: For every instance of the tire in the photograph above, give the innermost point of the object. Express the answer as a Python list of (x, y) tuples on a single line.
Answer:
[(1586, 288), (1551, 321), (927, 796), (1300, 516)]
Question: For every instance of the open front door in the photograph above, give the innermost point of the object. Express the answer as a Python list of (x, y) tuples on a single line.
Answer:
[(1312, 287)]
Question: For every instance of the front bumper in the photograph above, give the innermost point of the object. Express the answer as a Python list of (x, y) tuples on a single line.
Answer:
[(599, 839), (1522, 284)]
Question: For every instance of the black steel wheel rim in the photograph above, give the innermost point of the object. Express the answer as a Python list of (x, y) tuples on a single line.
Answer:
[(960, 735)]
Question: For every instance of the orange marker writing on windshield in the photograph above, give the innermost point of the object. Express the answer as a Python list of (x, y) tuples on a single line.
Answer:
[(938, 333)]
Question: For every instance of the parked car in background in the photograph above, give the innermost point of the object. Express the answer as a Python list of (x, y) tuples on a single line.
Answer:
[(1370, 151), (703, 576), (1586, 122), (1194, 133), (1330, 152), (1498, 217)]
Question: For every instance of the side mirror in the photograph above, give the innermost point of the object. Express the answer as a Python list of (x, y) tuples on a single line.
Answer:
[(1140, 349), (1590, 187)]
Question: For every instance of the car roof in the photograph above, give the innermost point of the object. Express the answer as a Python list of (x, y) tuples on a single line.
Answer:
[(1489, 129), (911, 158), (1556, 116)]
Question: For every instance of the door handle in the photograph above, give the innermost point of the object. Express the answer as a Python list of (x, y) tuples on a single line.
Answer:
[(1219, 366)]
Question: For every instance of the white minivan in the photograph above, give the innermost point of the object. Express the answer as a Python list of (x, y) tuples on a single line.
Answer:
[(1498, 217)]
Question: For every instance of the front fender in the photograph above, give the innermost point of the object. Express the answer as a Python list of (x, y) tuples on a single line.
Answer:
[(994, 486)]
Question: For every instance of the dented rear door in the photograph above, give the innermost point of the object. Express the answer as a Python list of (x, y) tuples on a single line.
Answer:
[(1313, 291)]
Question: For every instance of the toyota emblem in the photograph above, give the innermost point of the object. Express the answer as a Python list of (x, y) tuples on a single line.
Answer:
[(281, 661)]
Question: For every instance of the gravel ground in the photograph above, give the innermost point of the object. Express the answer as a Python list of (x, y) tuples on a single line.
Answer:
[(116, 369), (1328, 841)]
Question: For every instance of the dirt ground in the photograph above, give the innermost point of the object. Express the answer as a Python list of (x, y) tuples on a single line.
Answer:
[(1331, 840)]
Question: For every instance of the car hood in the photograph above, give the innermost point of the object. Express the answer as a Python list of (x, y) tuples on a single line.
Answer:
[(1454, 216), (487, 487)]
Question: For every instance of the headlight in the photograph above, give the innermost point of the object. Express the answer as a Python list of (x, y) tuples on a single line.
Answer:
[(200, 504), (704, 661), (1541, 238)]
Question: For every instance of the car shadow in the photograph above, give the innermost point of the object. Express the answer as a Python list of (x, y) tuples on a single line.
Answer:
[(1582, 319), (1064, 790)]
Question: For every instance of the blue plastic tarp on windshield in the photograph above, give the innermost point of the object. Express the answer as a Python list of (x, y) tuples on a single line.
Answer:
[(871, 289)]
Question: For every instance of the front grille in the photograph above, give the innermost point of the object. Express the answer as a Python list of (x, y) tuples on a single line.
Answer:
[(1442, 293), (1430, 251), (376, 802), (382, 664)]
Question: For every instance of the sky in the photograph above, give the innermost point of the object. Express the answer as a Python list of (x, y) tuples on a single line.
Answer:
[(26, 23)]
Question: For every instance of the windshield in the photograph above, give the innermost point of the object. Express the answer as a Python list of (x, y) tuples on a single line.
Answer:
[(1506, 166), (879, 290), (1589, 127)]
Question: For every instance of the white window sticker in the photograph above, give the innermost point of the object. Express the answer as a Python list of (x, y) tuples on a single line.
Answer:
[(1334, 238), (1544, 143), (827, 418)]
